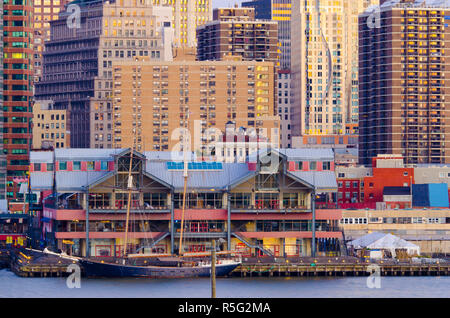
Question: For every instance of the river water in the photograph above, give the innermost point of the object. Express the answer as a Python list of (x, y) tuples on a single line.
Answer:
[(256, 287)]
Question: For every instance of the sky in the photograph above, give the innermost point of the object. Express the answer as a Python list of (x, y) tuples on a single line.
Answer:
[(225, 3)]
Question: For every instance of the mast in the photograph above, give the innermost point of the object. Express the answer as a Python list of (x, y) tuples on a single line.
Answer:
[(185, 175), (130, 188)]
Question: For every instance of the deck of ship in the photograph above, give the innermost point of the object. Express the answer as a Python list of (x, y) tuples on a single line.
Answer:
[(26, 263)]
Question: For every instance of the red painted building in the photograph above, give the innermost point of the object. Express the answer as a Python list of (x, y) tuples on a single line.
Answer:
[(362, 187)]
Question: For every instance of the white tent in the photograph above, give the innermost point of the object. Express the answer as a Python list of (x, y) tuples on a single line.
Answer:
[(382, 241)]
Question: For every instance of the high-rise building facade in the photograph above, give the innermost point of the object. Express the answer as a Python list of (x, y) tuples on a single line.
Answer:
[(187, 16), (403, 81), (78, 59), (44, 12), (284, 107), (17, 90), (235, 31), (324, 69), (2, 155), (152, 100), (49, 126), (279, 11)]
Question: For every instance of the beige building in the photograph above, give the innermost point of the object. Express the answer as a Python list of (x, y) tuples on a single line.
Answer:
[(158, 98), (324, 68), (44, 12), (429, 229), (50, 126), (129, 30), (187, 16)]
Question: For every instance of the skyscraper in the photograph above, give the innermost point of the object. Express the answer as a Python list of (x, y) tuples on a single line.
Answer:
[(235, 31), (77, 70), (279, 11), (17, 90), (2, 155), (403, 81), (44, 12), (153, 100), (324, 65), (187, 16)]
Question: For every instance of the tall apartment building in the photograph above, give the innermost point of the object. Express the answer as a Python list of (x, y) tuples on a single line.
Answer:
[(17, 90), (44, 12), (78, 61), (187, 16), (2, 155), (152, 100), (235, 31), (284, 107), (324, 69), (279, 11), (403, 82), (49, 126)]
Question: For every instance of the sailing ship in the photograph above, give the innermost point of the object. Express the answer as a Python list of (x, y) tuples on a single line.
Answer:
[(161, 265)]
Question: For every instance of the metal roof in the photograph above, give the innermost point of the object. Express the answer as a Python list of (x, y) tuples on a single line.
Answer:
[(168, 156), (308, 153), (65, 180), (297, 154), (321, 180), (199, 179)]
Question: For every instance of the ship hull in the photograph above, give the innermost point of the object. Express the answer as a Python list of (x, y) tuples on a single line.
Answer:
[(98, 269)]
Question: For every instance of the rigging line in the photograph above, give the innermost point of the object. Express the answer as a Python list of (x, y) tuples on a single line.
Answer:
[(130, 188), (327, 47)]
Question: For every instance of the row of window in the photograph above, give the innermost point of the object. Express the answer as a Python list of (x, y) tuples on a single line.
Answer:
[(76, 165), (313, 165), (396, 220)]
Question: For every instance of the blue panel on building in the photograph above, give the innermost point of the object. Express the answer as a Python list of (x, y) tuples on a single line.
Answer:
[(434, 195), (438, 193), (420, 195)]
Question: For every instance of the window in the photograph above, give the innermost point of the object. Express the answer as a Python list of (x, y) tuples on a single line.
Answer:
[(240, 200), (90, 165), (326, 165), (104, 165), (77, 165), (62, 165), (152, 200), (49, 166), (37, 167), (290, 200), (299, 165), (313, 165)]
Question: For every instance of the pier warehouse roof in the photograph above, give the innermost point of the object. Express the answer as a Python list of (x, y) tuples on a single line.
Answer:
[(77, 169)]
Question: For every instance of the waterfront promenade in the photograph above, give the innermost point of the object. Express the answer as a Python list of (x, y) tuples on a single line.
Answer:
[(26, 263)]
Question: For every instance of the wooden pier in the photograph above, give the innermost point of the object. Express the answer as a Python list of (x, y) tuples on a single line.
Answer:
[(312, 269), (27, 263)]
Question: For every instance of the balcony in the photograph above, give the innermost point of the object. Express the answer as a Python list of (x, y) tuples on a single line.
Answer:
[(122, 208), (270, 208)]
